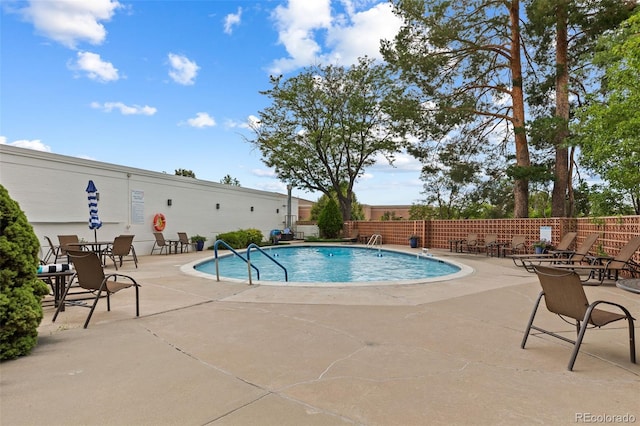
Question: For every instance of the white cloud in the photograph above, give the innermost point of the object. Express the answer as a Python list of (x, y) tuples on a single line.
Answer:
[(311, 34), (361, 35), (35, 144), (124, 109), (232, 20), (95, 67), (296, 24), (402, 162), (69, 22), (263, 173), (183, 71), (201, 120)]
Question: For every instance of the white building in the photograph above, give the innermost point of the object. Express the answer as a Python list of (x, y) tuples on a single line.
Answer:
[(50, 189)]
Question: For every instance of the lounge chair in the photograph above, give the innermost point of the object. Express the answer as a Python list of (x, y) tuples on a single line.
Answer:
[(162, 244), (564, 295), (602, 267), (569, 258), (122, 246), (90, 276), (517, 245), (470, 243), (560, 254)]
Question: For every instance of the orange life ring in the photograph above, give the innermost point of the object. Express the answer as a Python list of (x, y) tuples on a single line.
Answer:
[(159, 222)]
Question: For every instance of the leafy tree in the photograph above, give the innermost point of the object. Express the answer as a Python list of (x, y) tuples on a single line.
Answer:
[(228, 180), (326, 125), (185, 172), (606, 201), (563, 33), (608, 129), (462, 62), (357, 212), (390, 215), (20, 289), (330, 220), (422, 212)]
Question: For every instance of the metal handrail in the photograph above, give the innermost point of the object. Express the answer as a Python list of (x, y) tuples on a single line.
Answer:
[(375, 238), (254, 245), (215, 251)]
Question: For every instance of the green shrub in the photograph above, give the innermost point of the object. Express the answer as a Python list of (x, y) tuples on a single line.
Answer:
[(241, 238), (20, 289), (330, 220)]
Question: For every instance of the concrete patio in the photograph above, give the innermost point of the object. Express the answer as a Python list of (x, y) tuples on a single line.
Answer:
[(220, 353)]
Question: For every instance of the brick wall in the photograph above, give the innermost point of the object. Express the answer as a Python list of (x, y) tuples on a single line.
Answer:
[(615, 231)]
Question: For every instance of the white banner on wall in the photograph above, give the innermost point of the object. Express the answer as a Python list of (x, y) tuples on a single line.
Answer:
[(137, 207)]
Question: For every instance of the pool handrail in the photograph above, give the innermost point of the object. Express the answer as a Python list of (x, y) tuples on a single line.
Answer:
[(254, 245), (215, 253)]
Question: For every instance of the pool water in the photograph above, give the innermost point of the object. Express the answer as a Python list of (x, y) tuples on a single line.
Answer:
[(331, 264)]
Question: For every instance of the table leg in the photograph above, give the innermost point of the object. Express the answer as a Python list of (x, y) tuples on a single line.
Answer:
[(59, 284)]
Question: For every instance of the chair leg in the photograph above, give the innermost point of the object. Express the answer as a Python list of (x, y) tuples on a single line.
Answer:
[(137, 301), (61, 302), (583, 329), (95, 302), (533, 315)]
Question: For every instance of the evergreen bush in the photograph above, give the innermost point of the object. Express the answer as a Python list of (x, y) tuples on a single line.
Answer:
[(241, 238), (330, 220), (20, 289)]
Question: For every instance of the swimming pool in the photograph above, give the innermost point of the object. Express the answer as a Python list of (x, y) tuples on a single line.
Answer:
[(322, 265)]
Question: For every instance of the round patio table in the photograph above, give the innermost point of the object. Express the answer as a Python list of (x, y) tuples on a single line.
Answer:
[(632, 285)]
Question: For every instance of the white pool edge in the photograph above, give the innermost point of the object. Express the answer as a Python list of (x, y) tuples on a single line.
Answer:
[(189, 269)]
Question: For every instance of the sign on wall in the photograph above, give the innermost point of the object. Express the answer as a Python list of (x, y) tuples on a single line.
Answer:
[(137, 207), (545, 233)]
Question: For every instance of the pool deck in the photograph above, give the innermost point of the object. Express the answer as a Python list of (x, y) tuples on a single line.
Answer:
[(221, 353)]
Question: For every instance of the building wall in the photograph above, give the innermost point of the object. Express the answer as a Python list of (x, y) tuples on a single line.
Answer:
[(50, 189)]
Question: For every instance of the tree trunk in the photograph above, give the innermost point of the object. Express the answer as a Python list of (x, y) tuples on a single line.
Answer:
[(561, 171), (345, 205), (521, 185)]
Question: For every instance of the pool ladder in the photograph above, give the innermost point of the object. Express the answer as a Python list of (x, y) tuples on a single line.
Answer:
[(246, 260), (375, 240)]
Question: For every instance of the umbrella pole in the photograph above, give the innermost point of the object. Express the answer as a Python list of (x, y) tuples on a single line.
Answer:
[(95, 235)]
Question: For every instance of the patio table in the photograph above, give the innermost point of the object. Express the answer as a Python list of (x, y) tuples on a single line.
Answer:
[(94, 246), (456, 243), (631, 284), (59, 283)]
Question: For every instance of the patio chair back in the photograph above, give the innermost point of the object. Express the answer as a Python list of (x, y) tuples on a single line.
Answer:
[(563, 292), (183, 240), (583, 250), (122, 246), (64, 240), (566, 241), (490, 239), (625, 254), (53, 252), (88, 268)]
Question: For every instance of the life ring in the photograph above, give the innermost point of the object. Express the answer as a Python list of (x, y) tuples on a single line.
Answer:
[(159, 222)]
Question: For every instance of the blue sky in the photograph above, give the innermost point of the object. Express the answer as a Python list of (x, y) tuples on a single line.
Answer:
[(163, 85)]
